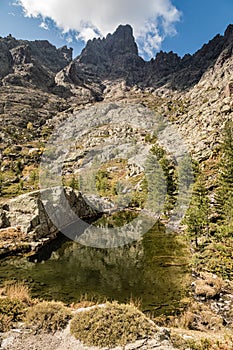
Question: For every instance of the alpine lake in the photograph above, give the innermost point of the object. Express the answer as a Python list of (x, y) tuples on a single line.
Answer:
[(153, 270)]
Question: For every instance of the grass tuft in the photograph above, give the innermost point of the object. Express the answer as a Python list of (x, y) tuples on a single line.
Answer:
[(18, 291), (199, 317)]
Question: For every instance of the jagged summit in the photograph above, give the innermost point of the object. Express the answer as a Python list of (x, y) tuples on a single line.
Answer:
[(121, 42), (31, 63), (113, 57), (229, 31)]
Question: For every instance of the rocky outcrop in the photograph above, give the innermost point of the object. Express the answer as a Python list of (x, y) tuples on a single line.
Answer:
[(21, 54), (6, 60), (40, 51), (84, 85), (20, 105), (28, 213), (64, 340), (162, 66)]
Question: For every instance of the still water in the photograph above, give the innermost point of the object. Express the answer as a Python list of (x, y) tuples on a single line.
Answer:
[(154, 270)]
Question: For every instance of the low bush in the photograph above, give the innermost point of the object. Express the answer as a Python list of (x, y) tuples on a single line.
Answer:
[(10, 311), (48, 316), (208, 286), (111, 325)]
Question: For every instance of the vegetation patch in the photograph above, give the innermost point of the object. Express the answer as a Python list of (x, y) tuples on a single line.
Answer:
[(17, 291), (198, 317), (118, 181), (209, 219), (48, 316), (11, 311), (14, 300), (111, 325), (199, 341)]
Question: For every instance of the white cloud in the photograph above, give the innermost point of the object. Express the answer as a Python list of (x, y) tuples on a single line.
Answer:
[(69, 40), (87, 33), (152, 20), (44, 26)]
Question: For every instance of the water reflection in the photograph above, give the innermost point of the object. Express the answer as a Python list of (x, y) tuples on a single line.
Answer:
[(154, 269)]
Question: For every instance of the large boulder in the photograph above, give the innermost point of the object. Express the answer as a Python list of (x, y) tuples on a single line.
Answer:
[(36, 215)]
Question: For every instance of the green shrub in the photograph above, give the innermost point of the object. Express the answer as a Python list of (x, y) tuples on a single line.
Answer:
[(48, 316), (11, 310), (114, 324)]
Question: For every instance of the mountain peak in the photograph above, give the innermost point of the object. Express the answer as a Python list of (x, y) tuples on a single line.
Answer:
[(121, 42)]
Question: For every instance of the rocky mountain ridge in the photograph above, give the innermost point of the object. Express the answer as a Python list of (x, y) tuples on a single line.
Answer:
[(39, 64)]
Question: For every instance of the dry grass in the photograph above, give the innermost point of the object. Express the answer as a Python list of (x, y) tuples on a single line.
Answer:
[(208, 286), (111, 325), (134, 301), (17, 291), (201, 341), (6, 323), (86, 300), (14, 301), (82, 304), (11, 234), (199, 317)]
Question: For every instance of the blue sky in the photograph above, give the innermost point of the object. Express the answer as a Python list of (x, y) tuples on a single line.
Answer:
[(194, 21), (200, 22)]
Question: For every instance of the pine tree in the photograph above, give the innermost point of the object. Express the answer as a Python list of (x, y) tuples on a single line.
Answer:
[(224, 197), (157, 186), (197, 216)]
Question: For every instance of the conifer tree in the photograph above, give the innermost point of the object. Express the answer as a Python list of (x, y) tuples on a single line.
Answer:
[(157, 186), (197, 216), (224, 197)]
